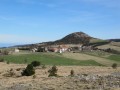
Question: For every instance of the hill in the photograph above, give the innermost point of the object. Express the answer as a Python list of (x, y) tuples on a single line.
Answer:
[(75, 38), (115, 40)]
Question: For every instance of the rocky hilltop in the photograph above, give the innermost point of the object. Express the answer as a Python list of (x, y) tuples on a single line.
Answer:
[(75, 38)]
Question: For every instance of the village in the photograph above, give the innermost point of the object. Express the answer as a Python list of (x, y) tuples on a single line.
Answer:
[(75, 48), (51, 48)]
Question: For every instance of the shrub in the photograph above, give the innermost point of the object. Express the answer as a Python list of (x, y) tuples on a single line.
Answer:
[(29, 71), (72, 73), (34, 76), (43, 66), (2, 60), (8, 62), (53, 71), (114, 65), (35, 63)]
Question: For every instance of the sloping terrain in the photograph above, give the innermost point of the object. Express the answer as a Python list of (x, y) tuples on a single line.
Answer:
[(112, 45), (86, 78), (114, 40), (75, 38), (81, 56), (48, 59)]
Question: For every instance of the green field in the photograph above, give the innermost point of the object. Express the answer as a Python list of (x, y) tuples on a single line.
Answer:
[(114, 57), (97, 53), (48, 59)]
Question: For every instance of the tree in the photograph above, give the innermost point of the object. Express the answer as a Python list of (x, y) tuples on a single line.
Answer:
[(29, 71)]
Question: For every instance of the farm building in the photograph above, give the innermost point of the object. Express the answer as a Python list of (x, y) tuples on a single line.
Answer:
[(34, 50), (16, 50)]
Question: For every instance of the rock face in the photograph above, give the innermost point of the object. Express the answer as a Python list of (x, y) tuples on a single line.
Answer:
[(75, 38)]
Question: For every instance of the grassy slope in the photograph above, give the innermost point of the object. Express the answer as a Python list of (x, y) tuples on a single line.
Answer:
[(95, 40), (48, 59), (115, 58), (98, 57)]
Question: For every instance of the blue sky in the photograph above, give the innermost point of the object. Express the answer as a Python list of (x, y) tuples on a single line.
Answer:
[(32, 21)]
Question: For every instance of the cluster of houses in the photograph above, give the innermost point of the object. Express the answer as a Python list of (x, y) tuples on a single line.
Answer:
[(54, 48), (7, 51), (61, 48)]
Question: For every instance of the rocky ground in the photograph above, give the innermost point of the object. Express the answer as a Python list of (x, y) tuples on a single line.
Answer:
[(85, 78)]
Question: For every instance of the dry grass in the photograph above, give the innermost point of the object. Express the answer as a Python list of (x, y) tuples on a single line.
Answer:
[(41, 79), (109, 46)]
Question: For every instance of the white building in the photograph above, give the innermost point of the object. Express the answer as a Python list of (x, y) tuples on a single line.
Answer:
[(17, 50)]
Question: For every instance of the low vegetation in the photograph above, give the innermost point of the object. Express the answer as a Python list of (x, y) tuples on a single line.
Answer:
[(72, 73), (10, 73), (114, 66), (35, 63), (114, 58), (48, 59), (2, 60), (28, 71), (53, 71)]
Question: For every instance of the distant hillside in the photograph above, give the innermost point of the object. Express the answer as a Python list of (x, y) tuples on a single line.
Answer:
[(75, 38), (115, 40), (98, 42), (3, 45)]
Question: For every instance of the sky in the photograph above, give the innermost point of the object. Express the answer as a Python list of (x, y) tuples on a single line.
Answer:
[(34, 21)]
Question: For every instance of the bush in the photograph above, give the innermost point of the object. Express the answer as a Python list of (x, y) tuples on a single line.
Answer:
[(2, 60), (8, 62), (34, 76), (72, 73), (43, 66), (53, 71), (35, 63), (114, 66), (29, 71)]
